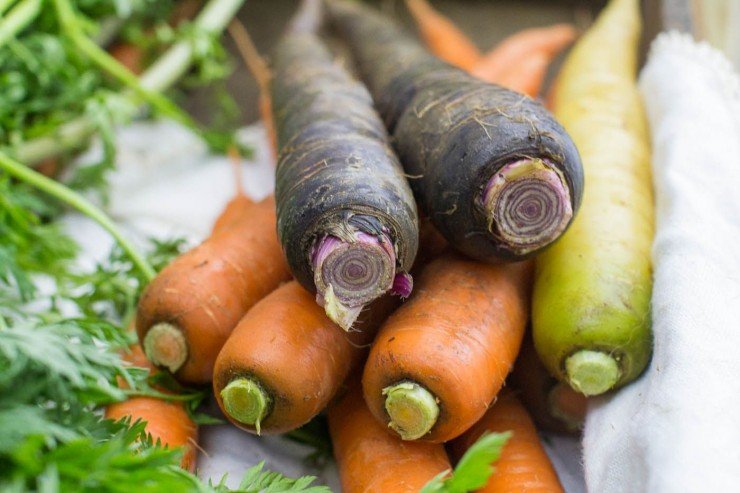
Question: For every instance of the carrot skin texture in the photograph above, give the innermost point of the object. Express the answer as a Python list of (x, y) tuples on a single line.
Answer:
[(337, 174), (593, 288), (298, 356), (443, 38), (206, 291), (166, 421), (524, 464), (452, 132), (457, 336), (371, 459)]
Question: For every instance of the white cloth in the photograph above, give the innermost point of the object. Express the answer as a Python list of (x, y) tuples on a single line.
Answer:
[(677, 429)]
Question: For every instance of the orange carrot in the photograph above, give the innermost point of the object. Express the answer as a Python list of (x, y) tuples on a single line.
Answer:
[(442, 36), (286, 359), (523, 465), (552, 404), (188, 311), (372, 460), (166, 421), (440, 359), (521, 60)]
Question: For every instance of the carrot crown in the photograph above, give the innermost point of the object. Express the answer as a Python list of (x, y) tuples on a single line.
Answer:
[(165, 346), (246, 402), (412, 409), (592, 372)]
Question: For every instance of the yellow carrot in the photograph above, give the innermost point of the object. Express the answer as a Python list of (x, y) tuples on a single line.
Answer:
[(591, 306)]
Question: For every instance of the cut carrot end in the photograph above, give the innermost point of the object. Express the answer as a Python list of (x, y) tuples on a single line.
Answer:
[(592, 372), (412, 408), (245, 401), (567, 405), (528, 204), (166, 347), (351, 272)]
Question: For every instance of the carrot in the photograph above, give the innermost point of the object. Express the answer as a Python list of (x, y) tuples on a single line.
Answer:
[(443, 37), (498, 176), (508, 57), (273, 381), (518, 63), (188, 311), (523, 465), (347, 219), (591, 308), (440, 359), (370, 459), (553, 405), (166, 421)]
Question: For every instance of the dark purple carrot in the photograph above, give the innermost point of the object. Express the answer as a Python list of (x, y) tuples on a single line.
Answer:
[(498, 176), (347, 219)]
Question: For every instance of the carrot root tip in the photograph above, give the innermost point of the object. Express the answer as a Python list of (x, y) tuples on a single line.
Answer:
[(567, 406), (245, 401), (350, 274), (592, 372), (165, 346), (528, 204), (412, 409)]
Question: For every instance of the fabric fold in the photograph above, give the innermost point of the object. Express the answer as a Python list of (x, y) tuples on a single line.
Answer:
[(677, 428)]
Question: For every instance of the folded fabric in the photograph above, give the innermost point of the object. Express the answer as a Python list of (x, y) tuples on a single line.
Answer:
[(677, 429)]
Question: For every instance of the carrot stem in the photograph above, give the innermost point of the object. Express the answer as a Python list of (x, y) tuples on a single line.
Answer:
[(412, 408), (77, 201), (159, 76), (592, 372), (165, 345), (71, 26), (528, 205), (246, 401), (18, 18)]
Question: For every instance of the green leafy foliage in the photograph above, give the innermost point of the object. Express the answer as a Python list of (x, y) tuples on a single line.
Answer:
[(474, 468), (28, 242), (257, 480), (112, 289)]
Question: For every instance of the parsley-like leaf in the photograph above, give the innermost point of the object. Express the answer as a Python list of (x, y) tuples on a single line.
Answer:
[(474, 468)]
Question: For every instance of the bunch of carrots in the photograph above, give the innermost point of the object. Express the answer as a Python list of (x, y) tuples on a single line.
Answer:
[(316, 299)]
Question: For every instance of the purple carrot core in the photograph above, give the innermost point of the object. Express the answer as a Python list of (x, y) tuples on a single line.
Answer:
[(403, 284), (350, 274), (528, 205)]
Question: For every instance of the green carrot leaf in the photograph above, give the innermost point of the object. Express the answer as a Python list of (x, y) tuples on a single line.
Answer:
[(474, 468)]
